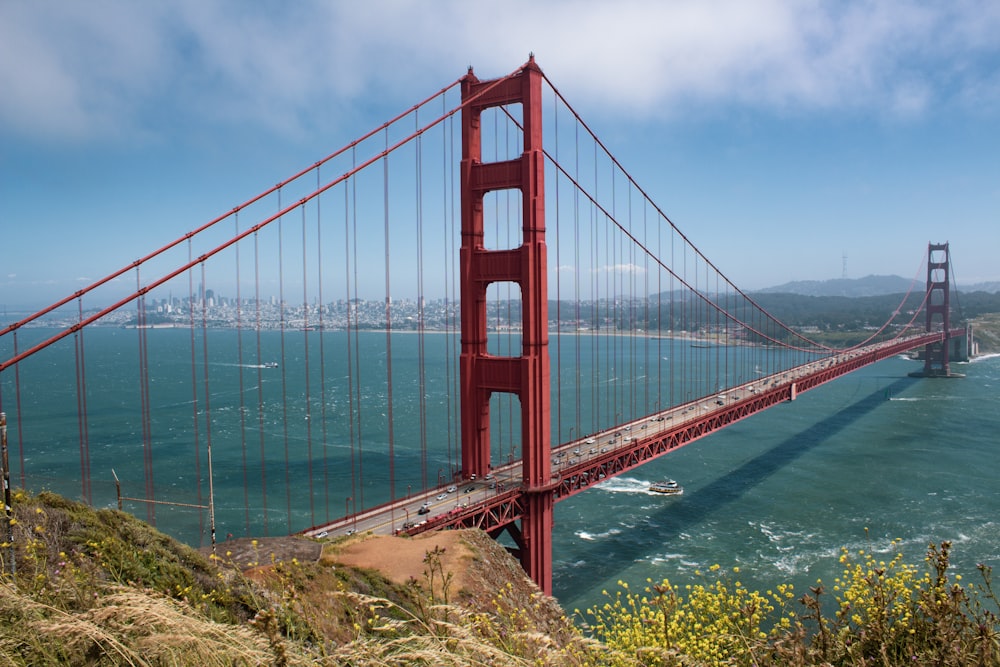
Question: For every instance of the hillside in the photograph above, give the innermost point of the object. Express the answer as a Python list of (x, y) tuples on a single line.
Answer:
[(96, 587), (844, 287), (80, 586), (868, 286), (986, 331)]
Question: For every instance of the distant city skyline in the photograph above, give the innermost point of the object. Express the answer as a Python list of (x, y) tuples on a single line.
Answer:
[(780, 138)]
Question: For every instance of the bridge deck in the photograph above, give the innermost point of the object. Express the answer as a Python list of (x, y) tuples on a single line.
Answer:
[(497, 500)]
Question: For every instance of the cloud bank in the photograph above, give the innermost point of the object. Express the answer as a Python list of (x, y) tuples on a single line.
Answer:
[(110, 67)]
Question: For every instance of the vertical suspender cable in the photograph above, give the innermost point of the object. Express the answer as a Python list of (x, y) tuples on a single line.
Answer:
[(610, 399), (611, 332), (208, 416), (719, 381), (322, 349), (240, 371), (607, 318), (510, 338), (559, 341), (282, 323), (421, 372), (630, 275), (671, 324), (20, 419), (613, 262), (686, 305), (595, 352), (495, 343), (196, 425), (450, 289), (355, 369), (659, 319), (645, 317), (446, 210), (388, 322), (577, 257), (454, 303), (260, 382), (597, 421), (307, 369), (81, 408), (144, 399), (350, 345)]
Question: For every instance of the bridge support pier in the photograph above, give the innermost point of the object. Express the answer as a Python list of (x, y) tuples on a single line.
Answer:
[(937, 356), (526, 375)]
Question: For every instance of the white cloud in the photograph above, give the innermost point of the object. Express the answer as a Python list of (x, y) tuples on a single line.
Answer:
[(620, 269), (76, 69)]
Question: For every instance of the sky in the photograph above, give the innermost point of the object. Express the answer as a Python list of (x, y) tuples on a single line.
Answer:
[(787, 140)]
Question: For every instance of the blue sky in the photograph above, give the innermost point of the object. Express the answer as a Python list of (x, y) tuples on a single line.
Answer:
[(779, 136)]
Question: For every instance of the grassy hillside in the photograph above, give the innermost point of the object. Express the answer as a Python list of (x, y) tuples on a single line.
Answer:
[(98, 587), (986, 330)]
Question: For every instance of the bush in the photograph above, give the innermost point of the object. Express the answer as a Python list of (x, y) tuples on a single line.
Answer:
[(883, 613)]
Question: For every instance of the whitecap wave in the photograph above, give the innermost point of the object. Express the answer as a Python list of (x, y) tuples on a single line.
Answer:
[(593, 537), (984, 357), (666, 558)]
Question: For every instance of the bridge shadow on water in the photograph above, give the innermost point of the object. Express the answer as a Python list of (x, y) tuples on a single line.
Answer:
[(602, 560)]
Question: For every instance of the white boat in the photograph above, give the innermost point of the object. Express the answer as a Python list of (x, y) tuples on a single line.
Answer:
[(667, 487)]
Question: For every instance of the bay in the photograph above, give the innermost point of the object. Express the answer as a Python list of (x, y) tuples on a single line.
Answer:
[(870, 457)]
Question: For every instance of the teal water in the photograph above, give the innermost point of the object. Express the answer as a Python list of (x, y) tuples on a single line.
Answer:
[(867, 458), (870, 457)]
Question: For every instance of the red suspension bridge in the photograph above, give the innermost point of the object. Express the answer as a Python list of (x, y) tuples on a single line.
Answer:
[(459, 319)]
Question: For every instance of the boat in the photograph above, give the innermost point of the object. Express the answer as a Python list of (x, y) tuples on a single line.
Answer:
[(271, 364), (667, 487)]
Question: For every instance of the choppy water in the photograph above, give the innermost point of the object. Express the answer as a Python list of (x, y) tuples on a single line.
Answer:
[(872, 456)]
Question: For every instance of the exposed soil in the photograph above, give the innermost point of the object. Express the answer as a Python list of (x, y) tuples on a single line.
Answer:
[(401, 559), (482, 575)]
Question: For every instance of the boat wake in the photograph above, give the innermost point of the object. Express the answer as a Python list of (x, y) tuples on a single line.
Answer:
[(624, 485), (630, 485), (268, 364)]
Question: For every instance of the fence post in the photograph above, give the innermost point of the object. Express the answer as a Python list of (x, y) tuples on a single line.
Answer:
[(7, 507)]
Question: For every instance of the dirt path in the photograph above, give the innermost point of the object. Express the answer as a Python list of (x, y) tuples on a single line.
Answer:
[(402, 558)]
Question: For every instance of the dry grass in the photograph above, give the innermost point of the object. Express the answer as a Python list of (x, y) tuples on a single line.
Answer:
[(99, 587), (125, 627), (102, 588)]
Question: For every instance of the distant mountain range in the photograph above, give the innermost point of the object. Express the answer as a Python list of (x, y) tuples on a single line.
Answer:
[(861, 287)]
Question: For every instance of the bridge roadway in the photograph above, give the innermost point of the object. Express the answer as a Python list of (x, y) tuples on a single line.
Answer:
[(496, 501)]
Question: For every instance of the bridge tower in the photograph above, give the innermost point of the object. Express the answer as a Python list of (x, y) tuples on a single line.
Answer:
[(481, 373), (936, 355)]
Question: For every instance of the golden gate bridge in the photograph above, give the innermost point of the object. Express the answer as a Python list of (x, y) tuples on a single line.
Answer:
[(459, 319)]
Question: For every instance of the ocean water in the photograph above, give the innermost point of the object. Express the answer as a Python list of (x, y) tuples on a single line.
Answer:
[(873, 456), (868, 458)]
